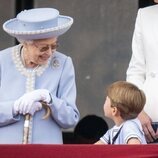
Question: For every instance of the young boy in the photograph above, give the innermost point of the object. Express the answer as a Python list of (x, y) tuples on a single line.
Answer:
[(123, 103)]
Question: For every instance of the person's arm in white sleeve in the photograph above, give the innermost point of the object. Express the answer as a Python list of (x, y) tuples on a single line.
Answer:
[(136, 71)]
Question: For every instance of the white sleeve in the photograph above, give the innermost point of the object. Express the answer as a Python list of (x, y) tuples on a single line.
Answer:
[(106, 137), (132, 130), (137, 67)]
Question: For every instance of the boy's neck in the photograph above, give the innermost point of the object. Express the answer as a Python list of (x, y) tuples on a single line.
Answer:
[(118, 121)]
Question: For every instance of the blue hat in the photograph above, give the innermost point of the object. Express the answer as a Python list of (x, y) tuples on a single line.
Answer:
[(38, 23)]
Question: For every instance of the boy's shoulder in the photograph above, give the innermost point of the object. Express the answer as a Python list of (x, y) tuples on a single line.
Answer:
[(132, 124)]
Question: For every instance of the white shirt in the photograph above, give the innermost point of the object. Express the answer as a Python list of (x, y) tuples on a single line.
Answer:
[(130, 129)]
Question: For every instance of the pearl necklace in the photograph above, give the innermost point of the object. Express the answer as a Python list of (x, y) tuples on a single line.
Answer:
[(19, 63)]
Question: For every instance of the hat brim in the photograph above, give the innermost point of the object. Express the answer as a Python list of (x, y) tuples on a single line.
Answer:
[(64, 23)]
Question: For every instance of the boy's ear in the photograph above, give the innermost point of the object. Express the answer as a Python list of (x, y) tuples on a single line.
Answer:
[(114, 111)]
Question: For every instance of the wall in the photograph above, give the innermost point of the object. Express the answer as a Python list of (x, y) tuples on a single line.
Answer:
[(7, 8)]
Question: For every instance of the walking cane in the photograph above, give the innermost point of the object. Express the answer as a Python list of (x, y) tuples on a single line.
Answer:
[(28, 119)]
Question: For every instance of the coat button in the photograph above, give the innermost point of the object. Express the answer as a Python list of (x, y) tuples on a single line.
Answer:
[(152, 74)]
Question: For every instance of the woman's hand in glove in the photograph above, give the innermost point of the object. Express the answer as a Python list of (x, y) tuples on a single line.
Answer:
[(29, 101)]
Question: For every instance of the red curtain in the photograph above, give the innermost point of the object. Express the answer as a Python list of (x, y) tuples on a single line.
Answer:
[(78, 151)]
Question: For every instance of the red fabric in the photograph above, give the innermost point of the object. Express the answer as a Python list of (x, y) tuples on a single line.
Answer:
[(78, 151)]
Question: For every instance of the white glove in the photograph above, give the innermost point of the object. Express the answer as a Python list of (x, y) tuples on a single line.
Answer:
[(35, 107), (24, 104)]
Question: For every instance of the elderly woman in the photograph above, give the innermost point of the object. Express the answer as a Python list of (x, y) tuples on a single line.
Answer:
[(33, 74)]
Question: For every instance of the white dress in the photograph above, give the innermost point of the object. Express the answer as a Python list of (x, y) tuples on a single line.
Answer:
[(143, 67)]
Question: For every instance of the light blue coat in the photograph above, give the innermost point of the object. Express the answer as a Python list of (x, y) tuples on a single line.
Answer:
[(58, 78)]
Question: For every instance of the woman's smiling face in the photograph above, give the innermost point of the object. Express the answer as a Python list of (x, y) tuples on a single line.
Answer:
[(39, 51)]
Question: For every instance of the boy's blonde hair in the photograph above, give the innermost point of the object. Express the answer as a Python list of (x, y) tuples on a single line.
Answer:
[(127, 97)]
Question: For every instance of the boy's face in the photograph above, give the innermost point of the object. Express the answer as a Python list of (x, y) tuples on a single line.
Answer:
[(107, 107)]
